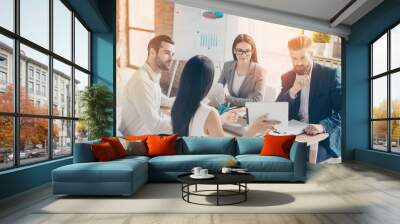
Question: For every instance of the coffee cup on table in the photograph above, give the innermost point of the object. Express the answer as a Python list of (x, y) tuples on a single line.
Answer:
[(196, 171), (203, 172), (226, 170)]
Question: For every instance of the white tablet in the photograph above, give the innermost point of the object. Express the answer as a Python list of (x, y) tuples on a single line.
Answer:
[(274, 110)]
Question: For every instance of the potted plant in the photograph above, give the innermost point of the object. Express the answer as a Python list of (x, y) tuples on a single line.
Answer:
[(320, 40), (96, 103)]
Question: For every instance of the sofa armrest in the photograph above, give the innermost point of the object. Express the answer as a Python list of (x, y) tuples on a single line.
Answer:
[(83, 152), (298, 155)]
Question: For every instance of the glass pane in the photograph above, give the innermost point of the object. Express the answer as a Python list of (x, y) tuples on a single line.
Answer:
[(81, 81), (395, 47), (6, 142), (379, 97), (62, 89), (379, 135), (62, 138), (34, 97), (395, 138), (33, 139), (141, 14), (35, 21), (81, 45), (138, 41), (379, 55), (6, 74), (81, 131), (62, 29), (395, 94), (7, 14)]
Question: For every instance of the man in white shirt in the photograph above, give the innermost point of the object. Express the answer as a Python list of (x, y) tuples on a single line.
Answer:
[(313, 92), (142, 96)]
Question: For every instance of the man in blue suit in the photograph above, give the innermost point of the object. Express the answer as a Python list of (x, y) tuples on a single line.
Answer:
[(313, 92)]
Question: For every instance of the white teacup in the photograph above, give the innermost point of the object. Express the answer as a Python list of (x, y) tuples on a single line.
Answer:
[(203, 172), (226, 170), (196, 170)]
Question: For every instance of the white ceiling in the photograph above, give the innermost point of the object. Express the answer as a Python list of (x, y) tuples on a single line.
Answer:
[(320, 9), (308, 14)]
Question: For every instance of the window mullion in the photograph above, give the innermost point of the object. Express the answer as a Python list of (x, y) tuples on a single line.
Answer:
[(389, 104)]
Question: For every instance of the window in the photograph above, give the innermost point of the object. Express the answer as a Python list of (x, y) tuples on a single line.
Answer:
[(35, 22), (141, 26), (81, 45), (45, 131), (62, 30), (7, 14), (44, 91), (30, 87), (38, 89), (61, 74), (6, 74), (30, 72), (385, 94)]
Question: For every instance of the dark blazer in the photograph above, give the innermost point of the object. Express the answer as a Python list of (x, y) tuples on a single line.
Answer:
[(324, 102)]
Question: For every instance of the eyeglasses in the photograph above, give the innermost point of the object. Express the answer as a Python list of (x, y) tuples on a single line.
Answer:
[(242, 52)]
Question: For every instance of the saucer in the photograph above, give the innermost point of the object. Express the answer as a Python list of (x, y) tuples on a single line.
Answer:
[(208, 176)]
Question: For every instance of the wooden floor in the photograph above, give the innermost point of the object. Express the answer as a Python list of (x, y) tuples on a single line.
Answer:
[(378, 188)]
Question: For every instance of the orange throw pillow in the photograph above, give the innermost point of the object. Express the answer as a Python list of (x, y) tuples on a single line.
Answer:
[(116, 145), (136, 137), (103, 152), (161, 145), (277, 145)]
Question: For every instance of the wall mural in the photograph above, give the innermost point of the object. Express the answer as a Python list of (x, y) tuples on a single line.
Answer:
[(195, 72)]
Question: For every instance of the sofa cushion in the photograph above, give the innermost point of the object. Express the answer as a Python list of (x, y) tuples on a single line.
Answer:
[(103, 152), (161, 145), (207, 145), (185, 163), (249, 145), (277, 145), (111, 171), (257, 163), (116, 145)]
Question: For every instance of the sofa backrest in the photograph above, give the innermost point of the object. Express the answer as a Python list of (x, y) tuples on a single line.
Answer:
[(206, 145), (83, 153), (249, 145)]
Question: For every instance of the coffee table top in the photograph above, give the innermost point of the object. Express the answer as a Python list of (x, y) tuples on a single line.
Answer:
[(220, 178)]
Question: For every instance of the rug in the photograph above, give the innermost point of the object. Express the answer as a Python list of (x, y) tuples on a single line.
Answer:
[(166, 198)]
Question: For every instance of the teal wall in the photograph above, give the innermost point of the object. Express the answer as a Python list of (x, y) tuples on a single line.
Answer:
[(356, 85), (99, 15)]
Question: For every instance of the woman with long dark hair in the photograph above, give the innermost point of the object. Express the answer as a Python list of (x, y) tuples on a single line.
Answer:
[(243, 76), (190, 116)]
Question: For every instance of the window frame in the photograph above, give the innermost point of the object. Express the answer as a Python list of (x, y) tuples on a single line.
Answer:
[(16, 114), (389, 73)]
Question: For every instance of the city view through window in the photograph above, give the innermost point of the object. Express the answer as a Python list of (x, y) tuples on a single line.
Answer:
[(39, 113)]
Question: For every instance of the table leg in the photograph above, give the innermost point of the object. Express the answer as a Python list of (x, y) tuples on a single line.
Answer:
[(245, 191), (217, 194), (196, 187)]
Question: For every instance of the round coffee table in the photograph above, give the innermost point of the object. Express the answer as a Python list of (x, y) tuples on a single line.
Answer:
[(238, 179)]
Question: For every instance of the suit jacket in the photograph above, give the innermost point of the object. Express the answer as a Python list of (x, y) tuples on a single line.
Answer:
[(324, 102), (252, 88)]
